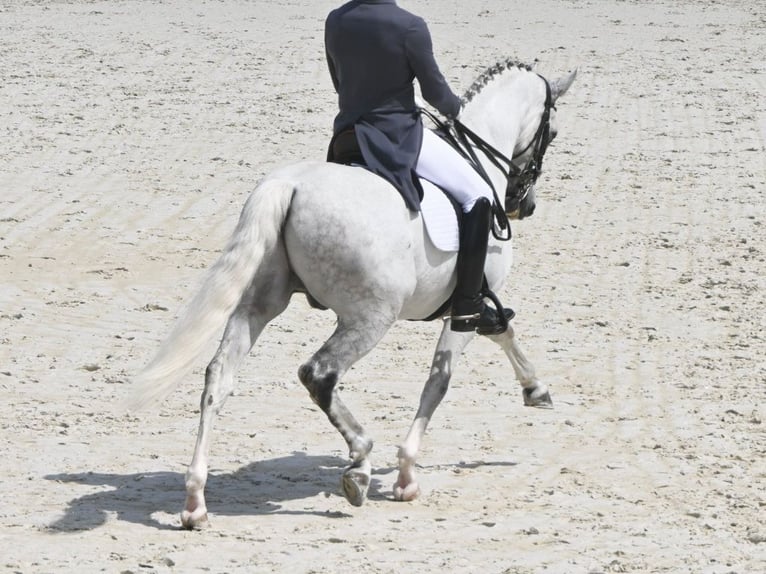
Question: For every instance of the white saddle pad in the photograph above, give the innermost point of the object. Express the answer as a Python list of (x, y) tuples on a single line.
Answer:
[(439, 217)]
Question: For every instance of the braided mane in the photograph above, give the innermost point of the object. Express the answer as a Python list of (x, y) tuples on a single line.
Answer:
[(488, 75)]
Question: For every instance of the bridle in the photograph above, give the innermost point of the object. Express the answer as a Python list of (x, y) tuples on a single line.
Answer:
[(519, 180)]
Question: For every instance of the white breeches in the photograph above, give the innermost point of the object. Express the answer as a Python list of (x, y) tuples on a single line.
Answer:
[(440, 164)]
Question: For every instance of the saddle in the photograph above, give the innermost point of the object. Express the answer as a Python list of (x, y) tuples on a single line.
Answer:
[(344, 149)]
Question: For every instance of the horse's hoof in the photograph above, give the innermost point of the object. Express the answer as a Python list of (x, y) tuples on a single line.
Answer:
[(407, 493), (194, 520), (355, 484), (537, 397)]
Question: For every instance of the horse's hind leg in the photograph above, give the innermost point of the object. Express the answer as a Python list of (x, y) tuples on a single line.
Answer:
[(242, 330), (448, 350), (352, 339), (535, 393)]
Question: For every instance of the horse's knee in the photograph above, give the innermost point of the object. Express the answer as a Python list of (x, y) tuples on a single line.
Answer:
[(319, 385)]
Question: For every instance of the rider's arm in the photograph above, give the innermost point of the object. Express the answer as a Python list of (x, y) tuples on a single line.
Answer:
[(434, 87)]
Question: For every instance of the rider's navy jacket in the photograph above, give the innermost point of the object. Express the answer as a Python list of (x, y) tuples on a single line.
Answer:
[(375, 50)]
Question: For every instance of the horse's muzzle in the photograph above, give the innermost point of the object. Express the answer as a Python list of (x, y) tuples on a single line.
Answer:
[(526, 209), (521, 209)]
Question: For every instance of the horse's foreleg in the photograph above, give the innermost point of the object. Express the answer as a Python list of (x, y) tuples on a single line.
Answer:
[(242, 330), (448, 350), (535, 393), (320, 375)]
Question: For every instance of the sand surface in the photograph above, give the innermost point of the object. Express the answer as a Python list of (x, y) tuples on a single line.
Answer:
[(132, 131)]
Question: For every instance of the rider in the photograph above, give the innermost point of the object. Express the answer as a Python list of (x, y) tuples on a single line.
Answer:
[(375, 50)]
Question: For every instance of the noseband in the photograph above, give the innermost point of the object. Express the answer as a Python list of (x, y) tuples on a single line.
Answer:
[(519, 180)]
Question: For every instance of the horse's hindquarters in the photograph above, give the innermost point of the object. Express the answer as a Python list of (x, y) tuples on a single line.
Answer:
[(352, 242)]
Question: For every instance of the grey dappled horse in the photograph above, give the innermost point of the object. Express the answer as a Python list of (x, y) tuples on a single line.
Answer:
[(344, 236)]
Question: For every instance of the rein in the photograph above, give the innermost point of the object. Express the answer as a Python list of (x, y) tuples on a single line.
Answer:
[(518, 180)]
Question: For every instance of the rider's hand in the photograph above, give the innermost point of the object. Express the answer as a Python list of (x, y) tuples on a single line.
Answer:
[(451, 119)]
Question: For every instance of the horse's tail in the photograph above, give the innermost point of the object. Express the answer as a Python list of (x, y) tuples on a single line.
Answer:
[(256, 235)]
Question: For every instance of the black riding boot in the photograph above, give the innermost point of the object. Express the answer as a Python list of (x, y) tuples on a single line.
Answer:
[(469, 312)]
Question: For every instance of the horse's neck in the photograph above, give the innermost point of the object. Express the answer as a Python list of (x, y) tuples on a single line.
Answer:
[(501, 111)]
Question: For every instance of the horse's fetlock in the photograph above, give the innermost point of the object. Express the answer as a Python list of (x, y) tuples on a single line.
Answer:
[(405, 454), (194, 482), (360, 448)]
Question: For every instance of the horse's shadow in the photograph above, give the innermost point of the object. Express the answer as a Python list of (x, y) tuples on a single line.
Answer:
[(255, 489)]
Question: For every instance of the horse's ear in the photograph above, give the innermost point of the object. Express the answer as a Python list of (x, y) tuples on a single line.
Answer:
[(559, 87)]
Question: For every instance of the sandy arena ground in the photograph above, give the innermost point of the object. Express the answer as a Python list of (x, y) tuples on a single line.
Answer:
[(132, 131)]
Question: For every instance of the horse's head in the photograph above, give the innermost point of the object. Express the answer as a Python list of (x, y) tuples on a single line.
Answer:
[(535, 137), (514, 108)]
